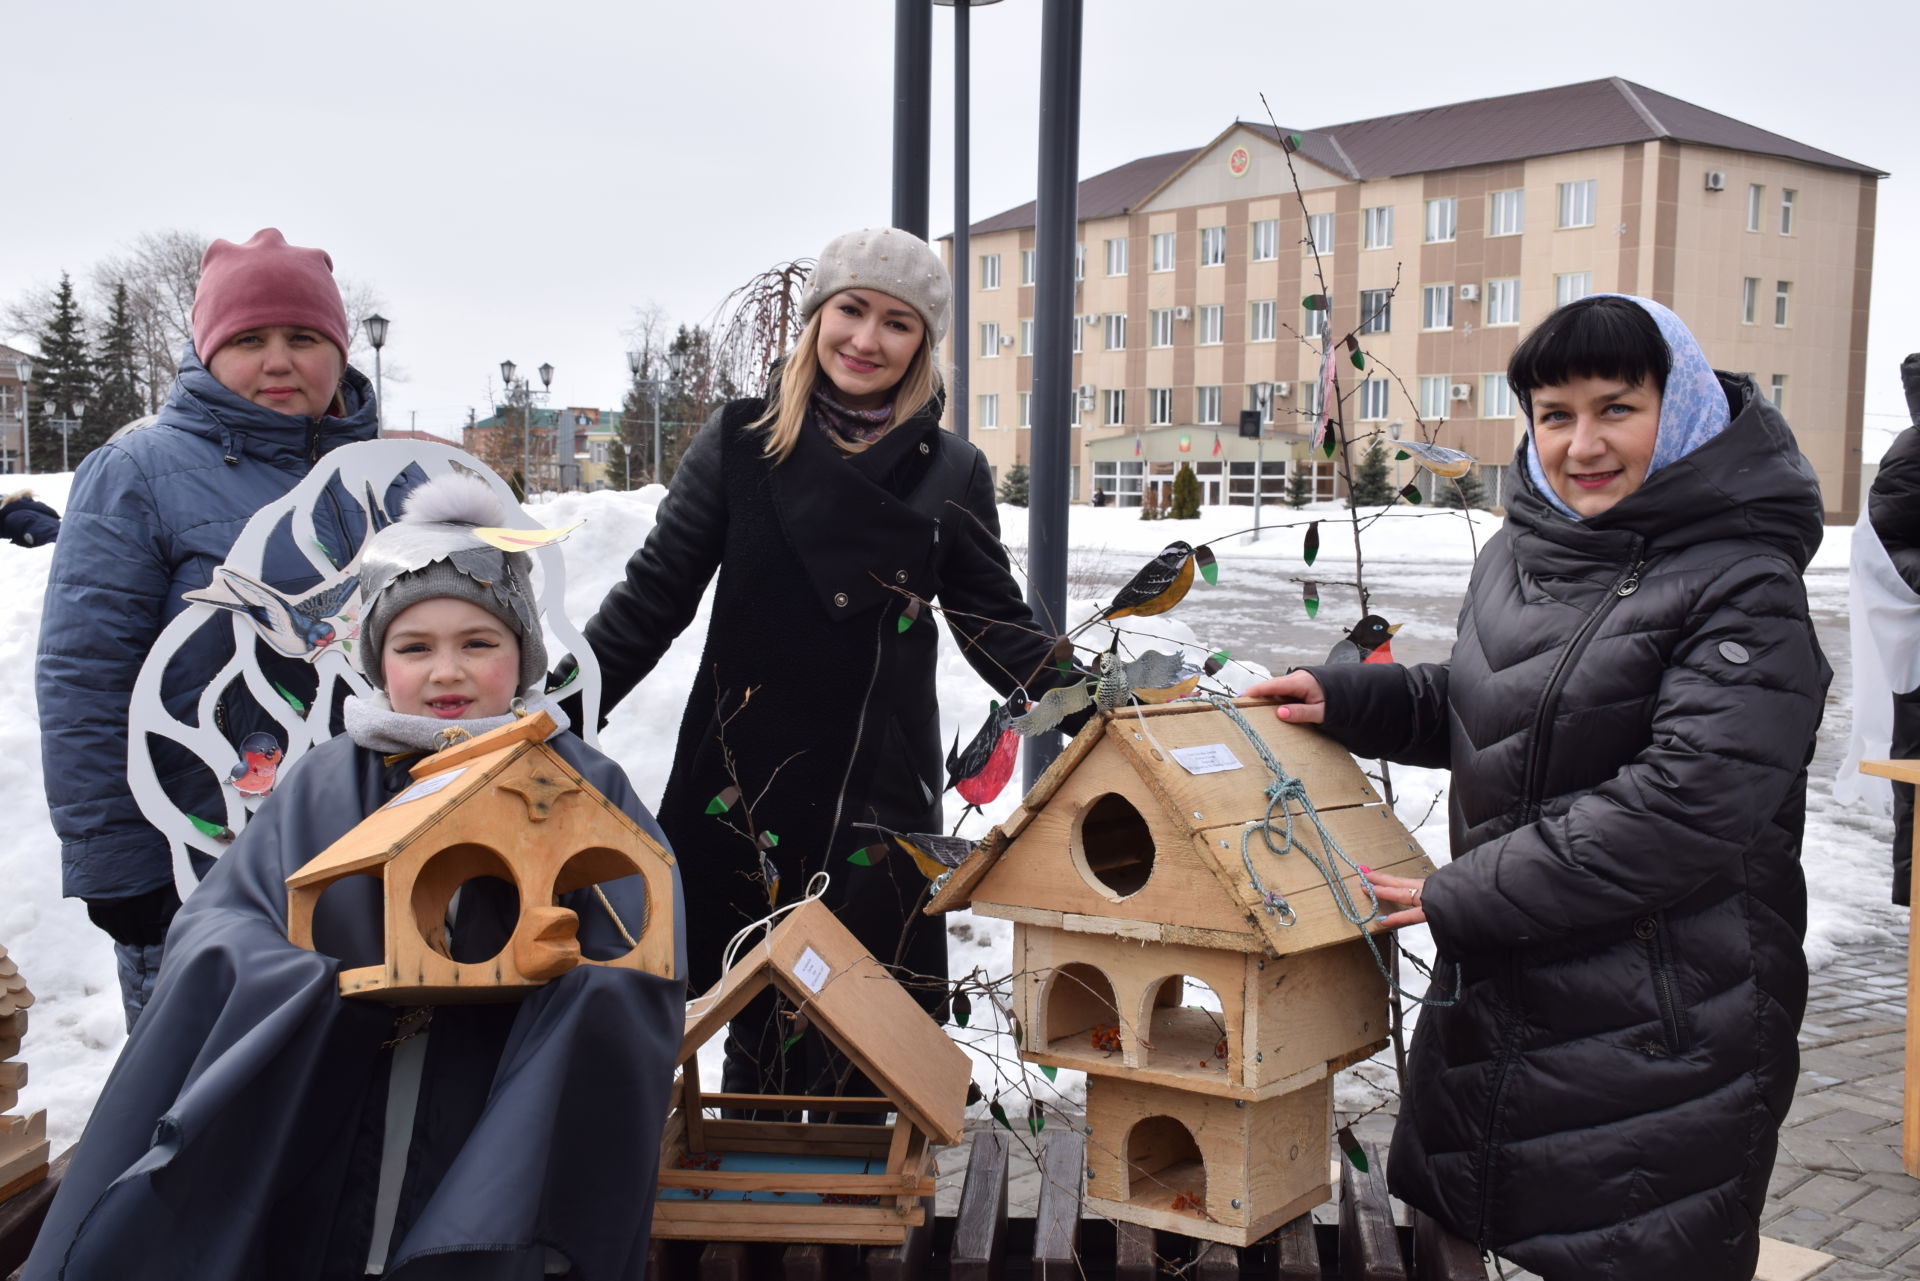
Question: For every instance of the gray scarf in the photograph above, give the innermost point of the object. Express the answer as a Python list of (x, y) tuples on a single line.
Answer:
[(373, 724)]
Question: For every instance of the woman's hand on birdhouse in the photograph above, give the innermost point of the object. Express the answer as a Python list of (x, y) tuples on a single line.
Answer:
[(1302, 701), (1399, 898)]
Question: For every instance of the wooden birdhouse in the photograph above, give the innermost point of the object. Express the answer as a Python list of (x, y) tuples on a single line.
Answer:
[(23, 1139), (737, 1180), (1138, 868), (501, 805)]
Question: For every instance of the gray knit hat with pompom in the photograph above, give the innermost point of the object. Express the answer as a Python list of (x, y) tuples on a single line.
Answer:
[(891, 261), (431, 552)]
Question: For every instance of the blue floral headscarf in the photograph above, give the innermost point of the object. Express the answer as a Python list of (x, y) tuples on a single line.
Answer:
[(1693, 408)]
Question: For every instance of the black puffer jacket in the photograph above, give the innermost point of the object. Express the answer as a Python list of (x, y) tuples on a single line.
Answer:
[(1628, 713), (1893, 508)]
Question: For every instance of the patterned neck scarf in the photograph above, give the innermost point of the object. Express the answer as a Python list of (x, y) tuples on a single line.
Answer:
[(1693, 408), (851, 426)]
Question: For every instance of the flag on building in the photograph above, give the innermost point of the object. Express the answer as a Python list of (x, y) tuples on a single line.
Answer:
[(1136, 444), (1186, 442), (1216, 444)]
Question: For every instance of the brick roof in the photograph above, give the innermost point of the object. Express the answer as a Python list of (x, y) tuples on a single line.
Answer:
[(1518, 126)]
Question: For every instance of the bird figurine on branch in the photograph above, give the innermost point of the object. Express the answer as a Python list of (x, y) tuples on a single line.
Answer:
[(980, 772), (1370, 641), (1151, 678), (933, 854)]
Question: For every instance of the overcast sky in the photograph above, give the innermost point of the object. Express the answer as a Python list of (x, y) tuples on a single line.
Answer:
[(517, 180)]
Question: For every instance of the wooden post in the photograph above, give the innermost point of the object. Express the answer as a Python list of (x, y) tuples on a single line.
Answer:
[(1369, 1245), (1908, 772), (1438, 1255), (980, 1227), (1134, 1255), (1296, 1252), (904, 1262), (1056, 1221)]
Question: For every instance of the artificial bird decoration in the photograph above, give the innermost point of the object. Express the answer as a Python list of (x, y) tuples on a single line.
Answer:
[(980, 772), (933, 854), (1438, 459), (299, 627), (1370, 641), (1160, 584), (259, 762)]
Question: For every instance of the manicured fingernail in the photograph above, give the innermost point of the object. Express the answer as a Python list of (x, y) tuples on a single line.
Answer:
[(1366, 871)]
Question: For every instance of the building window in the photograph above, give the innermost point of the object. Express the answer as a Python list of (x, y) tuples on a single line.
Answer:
[(1115, 408), (1079, 262), (1312, 402), (1442, 216), (6, 402), (1376, 311), (1260, 400), (1260, 321), (1265, 239), (1026, 336), (1206, 405), (1160, 248), (1782, 290), (1496, 397), (1787, 196), (1077, 328), (989, 412), (1213, 246), (1750, 300), (1377, 227), (1073, 483), (1160, 327), (989, 271), (1213, 325), (1576, 203), (1121, 480), (1160, 407), (1026, 409), (1570, 285), (1778, 395), (1373, 399), (1026, 266), (1436, 307), (1117, 256), (1116, 330), (1506, 212), (989, 340), (1756, 197), (1433, 395), (1314, 323), (1503, 302), (1320, 233)]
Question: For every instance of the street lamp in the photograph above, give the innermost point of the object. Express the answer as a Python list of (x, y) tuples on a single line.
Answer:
[(657, 389), (24, 369), (962, 154), (66, 427), (525, 392), (377, 335)]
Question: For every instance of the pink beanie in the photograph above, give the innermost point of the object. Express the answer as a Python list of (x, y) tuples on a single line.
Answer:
[(265, 282)]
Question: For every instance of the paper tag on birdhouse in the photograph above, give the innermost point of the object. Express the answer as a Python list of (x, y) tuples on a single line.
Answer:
[(1209, 758), (426, 787), (811, 970)]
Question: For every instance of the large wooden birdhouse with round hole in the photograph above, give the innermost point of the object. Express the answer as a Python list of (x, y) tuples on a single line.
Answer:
[(1209, 984), (502, 805), (23, 1138)]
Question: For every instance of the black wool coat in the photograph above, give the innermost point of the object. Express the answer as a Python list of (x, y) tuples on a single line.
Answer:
[(1893, 509), (1628, 713), (824, 705)]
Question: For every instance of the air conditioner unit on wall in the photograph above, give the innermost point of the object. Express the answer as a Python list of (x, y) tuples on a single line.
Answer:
[(1716, 181), (1006, 340), (1183, 313), (1087, 390), (1462, 391), (1283, 389), (1091, 318), (1469, 293)]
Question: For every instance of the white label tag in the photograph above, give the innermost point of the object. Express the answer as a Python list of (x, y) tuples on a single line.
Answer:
[(426, 787), (811, 970), (1211, 758)]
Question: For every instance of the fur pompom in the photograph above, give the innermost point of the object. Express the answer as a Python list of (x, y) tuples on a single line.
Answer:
[(454, 499)]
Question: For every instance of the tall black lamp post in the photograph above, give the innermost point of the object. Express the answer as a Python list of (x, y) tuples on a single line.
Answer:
[(525, 396), (377, 335), (957, 408)]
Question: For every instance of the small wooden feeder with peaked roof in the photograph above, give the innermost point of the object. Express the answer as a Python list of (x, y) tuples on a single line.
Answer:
[(502, 805), (737, 1180), (23, 1139), (1124, 874)]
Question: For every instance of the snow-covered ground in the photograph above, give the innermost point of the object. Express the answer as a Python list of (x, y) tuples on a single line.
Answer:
[(76, 1024)]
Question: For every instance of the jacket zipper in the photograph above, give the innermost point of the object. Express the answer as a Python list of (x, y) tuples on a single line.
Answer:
[(1628, 584), (1653, 930)]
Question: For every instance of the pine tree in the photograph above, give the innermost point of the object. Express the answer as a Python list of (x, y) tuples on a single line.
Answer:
[(1299, 488), (1013, 486), (1466, 491), (116, 395), (1185, 503), (62, 379), (1372, 486)]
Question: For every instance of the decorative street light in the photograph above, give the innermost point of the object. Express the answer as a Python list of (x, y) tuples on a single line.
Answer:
[(377, 335), (962, 151), (656, 389), (24, 368), (66, 427), (525, 394)]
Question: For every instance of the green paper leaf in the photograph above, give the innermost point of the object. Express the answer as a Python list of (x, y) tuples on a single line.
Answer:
[(1209, 567), (962, 1008), (292, 702), (973, 1093), (1310, 550), (999, 1113), (1314, 302), (1351, 1147), (218, 831), (790, 1042), (1310, 597), (1013, 1025), (1292, 142), (724, 800), (1217, 660), (860, 858), (1065, 665), (347, 645), (1330, 447), (908, 615), (1036, 1119), (1359, 360), (1412, 494), (1401, 455), (901, 623), (1049, 1071)]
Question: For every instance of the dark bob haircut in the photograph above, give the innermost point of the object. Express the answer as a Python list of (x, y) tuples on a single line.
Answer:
[(1604, 336)]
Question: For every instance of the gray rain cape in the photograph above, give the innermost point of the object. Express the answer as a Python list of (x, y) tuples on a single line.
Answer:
[(239, 1135)]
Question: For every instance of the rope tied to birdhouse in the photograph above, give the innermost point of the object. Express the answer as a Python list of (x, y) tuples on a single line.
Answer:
[(1287, 792)]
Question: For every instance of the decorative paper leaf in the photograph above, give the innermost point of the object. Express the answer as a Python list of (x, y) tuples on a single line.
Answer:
[(869, 856), (973, 1093), (1209, 567), (1291, 142), (723, 802), (790, 1042), (1062, 650), (1314, 302), (1401, 455), (1351, 1146), (999, 1113), (328, 553), (518, 540), (1359, 360), (1049, 1071), (1412, 494), (1310, 549), (962, 1008), (218, 831), (1310, 596), (1013, 1025), (292, 702), (1217, 660), (767, 841), (909, 614), (1036, 1118)]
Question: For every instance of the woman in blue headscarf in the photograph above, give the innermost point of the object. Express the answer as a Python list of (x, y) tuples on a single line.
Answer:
[(1597, 1087)]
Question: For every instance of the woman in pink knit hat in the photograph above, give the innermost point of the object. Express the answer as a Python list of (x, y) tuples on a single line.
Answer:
[(264, 389)]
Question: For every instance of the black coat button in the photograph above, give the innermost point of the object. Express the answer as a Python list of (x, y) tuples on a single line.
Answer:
[(1645, 927)]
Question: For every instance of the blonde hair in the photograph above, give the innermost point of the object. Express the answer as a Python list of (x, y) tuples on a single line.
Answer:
[(788, 399)]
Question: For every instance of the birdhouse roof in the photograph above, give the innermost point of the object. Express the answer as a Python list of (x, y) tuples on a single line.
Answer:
[(1200, 782), (14, 994), (820, 967), (443, 782)]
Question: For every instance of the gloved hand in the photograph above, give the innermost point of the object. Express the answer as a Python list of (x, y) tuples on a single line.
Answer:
[(140, 920)]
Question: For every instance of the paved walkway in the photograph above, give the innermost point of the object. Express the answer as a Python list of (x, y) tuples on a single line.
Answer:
[(1838, 1188)]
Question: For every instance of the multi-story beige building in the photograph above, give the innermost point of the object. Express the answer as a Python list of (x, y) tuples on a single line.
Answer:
[(1443, 235)]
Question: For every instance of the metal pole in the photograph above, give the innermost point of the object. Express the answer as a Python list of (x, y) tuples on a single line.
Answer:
[(1056, 215), (26, 429), (962, 253), (656, 433), (526, 437), (1259, 479), (379, 398), (912, 112)]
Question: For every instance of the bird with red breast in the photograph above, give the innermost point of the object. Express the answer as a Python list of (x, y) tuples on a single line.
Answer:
[(1370, 641)]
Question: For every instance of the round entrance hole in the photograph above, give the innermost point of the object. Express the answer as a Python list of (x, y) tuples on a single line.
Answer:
[(489, 906), (1113, 847), (1082, 1016), (601, 924), (1164, 1169)]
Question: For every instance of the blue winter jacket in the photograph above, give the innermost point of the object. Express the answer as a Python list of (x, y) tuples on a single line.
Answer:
[(149, 518)]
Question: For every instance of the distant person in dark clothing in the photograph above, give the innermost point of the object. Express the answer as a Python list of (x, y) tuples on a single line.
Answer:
[(27, 521), (1099, 498)]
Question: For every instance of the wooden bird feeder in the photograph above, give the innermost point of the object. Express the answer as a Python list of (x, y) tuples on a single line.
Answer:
[(502, 805), (23, 1139), (736, 1180), (1123, 873)]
